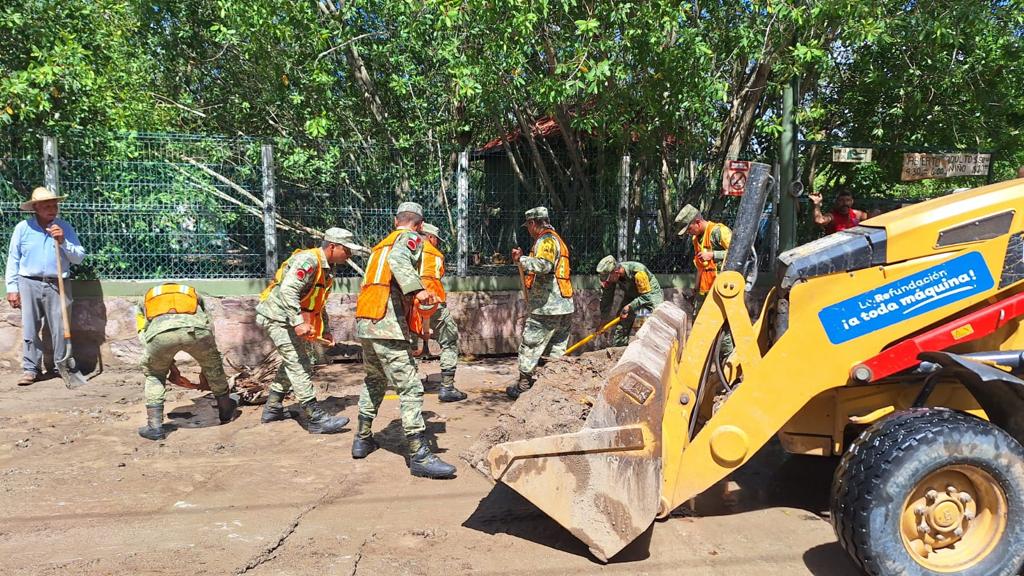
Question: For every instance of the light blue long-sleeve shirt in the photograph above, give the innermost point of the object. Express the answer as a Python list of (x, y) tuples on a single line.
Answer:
[(32, 252)]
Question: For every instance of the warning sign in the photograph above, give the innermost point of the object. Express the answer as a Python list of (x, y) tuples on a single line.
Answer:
[(734, 177)]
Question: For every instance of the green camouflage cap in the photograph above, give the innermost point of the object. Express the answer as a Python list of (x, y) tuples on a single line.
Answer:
[(606, 265), (538, 212), (344, 238), (431, 229), (685, 216), (410, 207)]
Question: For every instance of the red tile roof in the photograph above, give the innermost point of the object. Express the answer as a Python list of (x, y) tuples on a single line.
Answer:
[(542, 128)]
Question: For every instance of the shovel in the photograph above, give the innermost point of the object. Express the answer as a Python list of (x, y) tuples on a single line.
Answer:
[(526, 292), (72, 378), (599, 331)]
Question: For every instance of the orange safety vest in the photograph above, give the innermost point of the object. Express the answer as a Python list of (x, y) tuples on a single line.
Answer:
[(562, 270), (314, 299), (432, 270), (376, 288), (707, 271), (170, 299)]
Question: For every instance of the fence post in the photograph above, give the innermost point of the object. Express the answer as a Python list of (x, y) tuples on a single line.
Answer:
[(269, 210), (51, 164), (623, 248), (773, 243), (462, 214), (788, 201)]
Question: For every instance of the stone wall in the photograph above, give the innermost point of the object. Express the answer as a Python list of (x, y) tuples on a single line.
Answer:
[(489, 323)]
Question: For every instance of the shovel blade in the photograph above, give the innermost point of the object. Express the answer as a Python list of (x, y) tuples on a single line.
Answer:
[(72, 378)]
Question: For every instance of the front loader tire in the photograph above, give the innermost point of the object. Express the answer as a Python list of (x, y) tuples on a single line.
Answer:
[(932, 491)]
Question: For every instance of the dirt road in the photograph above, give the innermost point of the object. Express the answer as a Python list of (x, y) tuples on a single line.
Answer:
[(81, 493)]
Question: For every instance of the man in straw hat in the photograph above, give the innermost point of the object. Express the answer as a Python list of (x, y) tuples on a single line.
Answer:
[(391, 288), (31, 277), (292, 309)]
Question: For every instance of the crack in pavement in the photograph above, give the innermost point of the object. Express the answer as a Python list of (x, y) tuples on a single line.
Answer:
[(269, 552), (359, 553)]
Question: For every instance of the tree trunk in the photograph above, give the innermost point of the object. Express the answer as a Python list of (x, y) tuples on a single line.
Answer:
[(516, 168), (734, 135), (538, 161), (568, 188), (637, 173), (365, 82), (565, 127), (665, 212), (740, 124), (573, 150)]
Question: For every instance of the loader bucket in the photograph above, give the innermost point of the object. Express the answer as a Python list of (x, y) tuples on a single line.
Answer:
[(603, 483)]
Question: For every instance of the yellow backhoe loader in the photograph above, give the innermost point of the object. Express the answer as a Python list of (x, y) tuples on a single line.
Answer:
[(893, 344)]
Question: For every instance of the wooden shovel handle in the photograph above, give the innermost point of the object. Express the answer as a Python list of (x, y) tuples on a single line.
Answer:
[(522, 282), (60, 288)]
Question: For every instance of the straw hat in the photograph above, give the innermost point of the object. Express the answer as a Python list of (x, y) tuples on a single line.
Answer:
[(40, 194)]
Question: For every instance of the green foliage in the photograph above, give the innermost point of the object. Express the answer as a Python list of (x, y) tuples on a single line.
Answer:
[(370, 103)]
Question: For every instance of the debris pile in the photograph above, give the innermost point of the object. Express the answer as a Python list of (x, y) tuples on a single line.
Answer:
[(558, 403)]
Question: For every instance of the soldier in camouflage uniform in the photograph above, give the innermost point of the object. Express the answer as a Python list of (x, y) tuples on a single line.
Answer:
[(390, 287), (442, 325), (173, 319), (550, 293), (292, 309), (711, 242), (640, 288)]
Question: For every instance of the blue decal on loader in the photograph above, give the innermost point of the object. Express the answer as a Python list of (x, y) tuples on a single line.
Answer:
[(927, 290)]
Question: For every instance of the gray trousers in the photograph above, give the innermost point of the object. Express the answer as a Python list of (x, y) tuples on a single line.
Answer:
[(40, 302)]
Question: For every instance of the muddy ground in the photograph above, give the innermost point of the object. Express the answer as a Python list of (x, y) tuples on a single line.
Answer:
[(81, 493)]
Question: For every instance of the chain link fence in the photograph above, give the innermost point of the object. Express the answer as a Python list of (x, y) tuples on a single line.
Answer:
[(160, 205)]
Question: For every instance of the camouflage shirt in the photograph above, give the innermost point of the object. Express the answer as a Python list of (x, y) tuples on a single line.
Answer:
[(165, 322), (721, 238), (545, 297), (283, 302), (640, 289), (404, 261)]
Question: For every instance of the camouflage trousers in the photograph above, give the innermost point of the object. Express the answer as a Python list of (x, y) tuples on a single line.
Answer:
[(295, 370), (727, 344), (622, 330), (159, 354), (446, 332), (543, 335), (390, 362)]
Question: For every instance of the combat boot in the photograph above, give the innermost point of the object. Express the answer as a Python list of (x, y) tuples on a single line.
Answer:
[(226, 408), (318, 422), (524, 383), (423, 463), (364, 443), (154, 428), (448, 391), (274, 410)]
